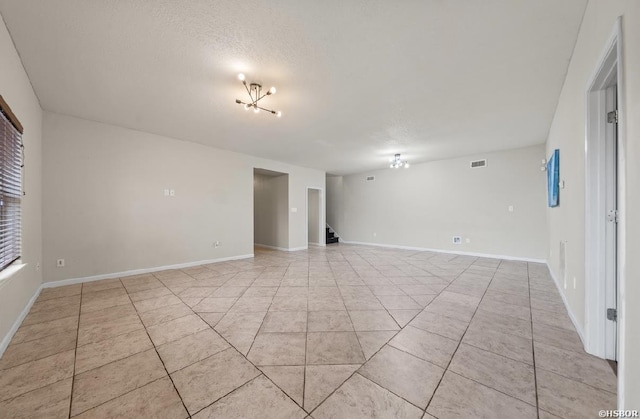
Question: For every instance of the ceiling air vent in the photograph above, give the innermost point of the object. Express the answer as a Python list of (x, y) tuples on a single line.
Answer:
[(478, 163), (371, 178)]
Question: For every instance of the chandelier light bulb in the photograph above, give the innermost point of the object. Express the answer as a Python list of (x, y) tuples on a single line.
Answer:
[(246, 107), (272, 91), (241, 77), (406, 165), (256, 109), (278, 114)]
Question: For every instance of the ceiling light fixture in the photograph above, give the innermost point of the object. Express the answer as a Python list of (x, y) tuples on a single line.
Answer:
[(397, 162), (255, 93)]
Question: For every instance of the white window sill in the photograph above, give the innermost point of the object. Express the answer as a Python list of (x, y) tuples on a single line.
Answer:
[(11, 270)]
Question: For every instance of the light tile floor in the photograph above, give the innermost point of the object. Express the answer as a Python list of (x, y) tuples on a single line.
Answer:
[(342, 332)]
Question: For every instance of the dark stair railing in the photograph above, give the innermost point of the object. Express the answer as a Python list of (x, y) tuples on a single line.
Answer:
[(331, 236)]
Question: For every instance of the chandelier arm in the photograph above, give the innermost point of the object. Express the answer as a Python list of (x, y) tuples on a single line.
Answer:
[(248, 91), (266, 94), (266, 110)]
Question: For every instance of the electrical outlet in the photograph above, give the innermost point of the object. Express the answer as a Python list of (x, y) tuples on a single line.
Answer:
[(60, 263), (467, 241), (510, 208), (574, 282), (172, 192), (457, 240), (38, 266), (216, 244), (375, 234)]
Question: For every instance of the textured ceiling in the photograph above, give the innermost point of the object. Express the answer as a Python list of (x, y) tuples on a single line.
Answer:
[(357, 80)]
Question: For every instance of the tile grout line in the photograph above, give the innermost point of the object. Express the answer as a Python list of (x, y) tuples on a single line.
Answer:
[(158, 354), (117, 397), (386, 343), (575, 381), (234, 390), (357, 338), (266, 313), (75, 353), (390, 391), (533, 347), (43, 357), (42, 337), (494, 389), (465, 331), (364, 357), (306, 339), (231, 346)]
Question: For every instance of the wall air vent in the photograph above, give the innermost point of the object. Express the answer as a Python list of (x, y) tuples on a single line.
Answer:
[(478, 163), (371, 178)]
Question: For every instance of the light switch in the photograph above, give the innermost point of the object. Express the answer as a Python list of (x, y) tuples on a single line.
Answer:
[(172, 192), (294, 209), (166, 192)]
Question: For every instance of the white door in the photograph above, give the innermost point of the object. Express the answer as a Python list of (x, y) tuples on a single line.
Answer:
[(611, 227)]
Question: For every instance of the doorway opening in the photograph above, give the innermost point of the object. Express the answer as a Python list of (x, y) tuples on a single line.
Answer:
[(270, 209), (315, 236), (604, 204)]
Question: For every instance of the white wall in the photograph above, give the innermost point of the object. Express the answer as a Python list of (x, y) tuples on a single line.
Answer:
[(15, 87), (335, 200), (567, 222), (104, 211), (271, 210), (313, 208), (427, 204)]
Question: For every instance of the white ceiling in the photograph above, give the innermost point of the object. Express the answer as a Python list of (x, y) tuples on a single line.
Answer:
[(357, 80)]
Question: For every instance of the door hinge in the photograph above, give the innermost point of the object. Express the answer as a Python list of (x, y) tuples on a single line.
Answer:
[(612, 117), (612, 314), (613, 216)]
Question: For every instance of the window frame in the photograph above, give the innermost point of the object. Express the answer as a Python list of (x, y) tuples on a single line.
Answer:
[(13, 200)]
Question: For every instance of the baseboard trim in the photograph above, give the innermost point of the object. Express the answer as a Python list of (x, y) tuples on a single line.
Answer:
[(317, 244), (14, 328), (282, 249), (452, 252), (266, 246), (577, 325), (295, 249), (72, 281)]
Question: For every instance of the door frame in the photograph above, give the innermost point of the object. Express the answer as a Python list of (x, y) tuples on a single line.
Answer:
[(597, 331), (322, 237)]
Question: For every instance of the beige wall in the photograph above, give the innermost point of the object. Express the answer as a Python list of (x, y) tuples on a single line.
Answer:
[(313, 208), (15, 87), (271, 210), (427, 204), (567, 222), (104, 206)]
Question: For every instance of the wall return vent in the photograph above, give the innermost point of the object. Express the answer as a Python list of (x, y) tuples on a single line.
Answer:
[(478, 163), (371, 178)]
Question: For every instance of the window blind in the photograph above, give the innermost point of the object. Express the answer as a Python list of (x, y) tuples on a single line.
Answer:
[(10, 186)]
